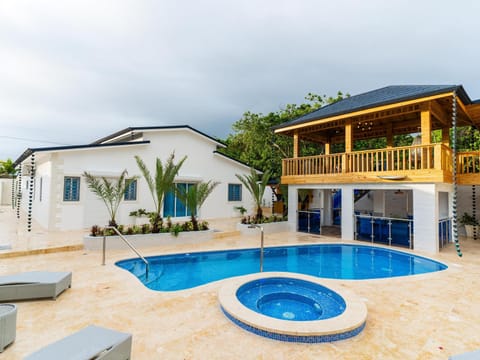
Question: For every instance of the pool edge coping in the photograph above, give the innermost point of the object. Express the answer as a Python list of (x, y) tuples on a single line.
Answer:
[(354, 316)]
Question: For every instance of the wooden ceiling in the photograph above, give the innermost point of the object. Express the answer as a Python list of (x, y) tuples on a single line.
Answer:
[(403, 118)]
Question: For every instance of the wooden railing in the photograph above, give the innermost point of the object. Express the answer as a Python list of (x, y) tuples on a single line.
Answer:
[(468, 162), (406, 158)]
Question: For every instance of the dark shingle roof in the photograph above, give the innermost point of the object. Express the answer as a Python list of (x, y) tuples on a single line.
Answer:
[(150, 128), (30, 151), (379, 97)]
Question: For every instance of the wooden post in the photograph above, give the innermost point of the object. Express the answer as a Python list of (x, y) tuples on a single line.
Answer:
[(389, 127), (295, 144), (348, 144), (348, 136), (446, 136), (437, 159), (426, 125), (327, 148)]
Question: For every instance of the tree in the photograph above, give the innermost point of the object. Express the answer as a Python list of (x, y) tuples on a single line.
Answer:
[(255, 144), (111, 193), (162, 183), (7, 168), (256, 188), (194, 197)]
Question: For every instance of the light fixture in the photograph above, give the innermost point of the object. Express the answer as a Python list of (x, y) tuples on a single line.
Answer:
[(365, 126)]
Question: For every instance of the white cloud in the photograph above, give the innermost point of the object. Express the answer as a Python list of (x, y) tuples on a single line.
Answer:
[(74, 71)]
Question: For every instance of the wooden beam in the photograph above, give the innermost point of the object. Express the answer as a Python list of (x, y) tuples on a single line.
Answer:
[(363, 112), (439, 112), (414, 176), (426, 126)]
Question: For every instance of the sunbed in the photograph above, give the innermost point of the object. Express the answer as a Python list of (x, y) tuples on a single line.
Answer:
[(34, 285), (92, 342), (473, 355), (8, 325)]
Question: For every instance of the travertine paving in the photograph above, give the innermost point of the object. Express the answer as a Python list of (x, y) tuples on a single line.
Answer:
[(428, 316)]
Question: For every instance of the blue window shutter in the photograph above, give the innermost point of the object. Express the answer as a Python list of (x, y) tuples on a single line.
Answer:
[(71, 188), (169, 204), (180, 207), (131, 191), (234, 192)]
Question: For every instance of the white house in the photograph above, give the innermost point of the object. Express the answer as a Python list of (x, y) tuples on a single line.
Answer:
[(54, 192)]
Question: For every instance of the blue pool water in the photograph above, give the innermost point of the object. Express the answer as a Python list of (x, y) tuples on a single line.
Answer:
[(290, 299), (336, 261)]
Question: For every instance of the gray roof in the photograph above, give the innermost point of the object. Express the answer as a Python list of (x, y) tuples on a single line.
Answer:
[(384, 96), (132, 129), (30, 151)]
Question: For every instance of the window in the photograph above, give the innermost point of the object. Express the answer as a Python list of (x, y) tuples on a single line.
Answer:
[(71, 188), (172, 206), (131, 191), (41, 189), (234, 192)]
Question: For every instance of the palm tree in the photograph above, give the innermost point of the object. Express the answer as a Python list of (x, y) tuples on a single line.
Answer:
[(256, 188), (194, 197), (111, 193), (161, 184)]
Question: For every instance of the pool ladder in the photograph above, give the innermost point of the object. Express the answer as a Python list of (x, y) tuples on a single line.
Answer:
[(104, 247), (261, 243)]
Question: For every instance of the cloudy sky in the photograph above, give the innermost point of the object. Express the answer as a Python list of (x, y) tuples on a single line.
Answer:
[(74, 71)]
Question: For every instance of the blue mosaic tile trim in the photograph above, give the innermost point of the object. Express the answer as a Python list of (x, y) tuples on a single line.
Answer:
[(296, 338)]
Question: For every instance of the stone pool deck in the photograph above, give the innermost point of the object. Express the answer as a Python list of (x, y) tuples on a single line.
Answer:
[(428, 316)]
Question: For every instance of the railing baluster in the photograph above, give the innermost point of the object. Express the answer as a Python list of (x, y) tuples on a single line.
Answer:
[(408, 158)]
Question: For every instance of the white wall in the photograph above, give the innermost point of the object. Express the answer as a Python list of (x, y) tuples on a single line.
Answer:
[(425, 225), (5, 191)]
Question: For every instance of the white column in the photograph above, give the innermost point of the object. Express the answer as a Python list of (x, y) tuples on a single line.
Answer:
[(327, 207), (425, 218), (347, 213), (292, 207), (379, 202)]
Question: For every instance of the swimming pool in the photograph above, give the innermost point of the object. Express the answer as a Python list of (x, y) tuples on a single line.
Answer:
[(336, 261)]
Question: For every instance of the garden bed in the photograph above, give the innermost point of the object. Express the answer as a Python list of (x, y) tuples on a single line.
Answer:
[(147, 240)]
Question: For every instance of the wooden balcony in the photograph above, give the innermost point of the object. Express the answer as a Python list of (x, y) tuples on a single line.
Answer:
[(468, 168), (419, 163)]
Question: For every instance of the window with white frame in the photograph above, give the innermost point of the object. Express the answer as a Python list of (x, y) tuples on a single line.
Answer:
[(234, 192), (40, 189), (71, 188), (131, 191), (172, 206)]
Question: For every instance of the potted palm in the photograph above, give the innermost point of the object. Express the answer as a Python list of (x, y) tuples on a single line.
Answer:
[(471, 224), (110, 192)]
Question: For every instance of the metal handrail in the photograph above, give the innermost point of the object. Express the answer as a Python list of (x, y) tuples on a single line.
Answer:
[(126, 242), (261, 243)]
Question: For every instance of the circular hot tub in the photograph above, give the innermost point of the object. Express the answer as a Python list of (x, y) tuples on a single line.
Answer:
[(291, 299), (292, 307)]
